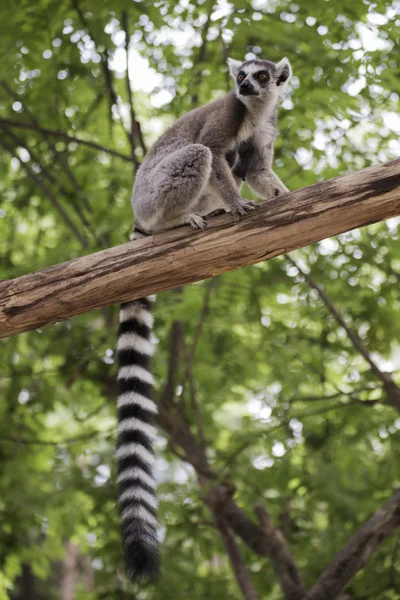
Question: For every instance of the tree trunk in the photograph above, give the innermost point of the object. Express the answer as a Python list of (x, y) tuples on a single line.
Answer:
[(70, 573)]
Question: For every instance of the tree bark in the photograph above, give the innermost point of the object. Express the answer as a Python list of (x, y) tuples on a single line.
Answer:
[(181, 256)]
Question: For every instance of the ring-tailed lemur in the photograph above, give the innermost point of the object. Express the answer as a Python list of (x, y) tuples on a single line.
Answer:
[(194, 169)]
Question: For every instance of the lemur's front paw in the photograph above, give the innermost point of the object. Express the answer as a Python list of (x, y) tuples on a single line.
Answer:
[(272, 189), (196, 221), (273, 193), (278, 191), (244, 207)]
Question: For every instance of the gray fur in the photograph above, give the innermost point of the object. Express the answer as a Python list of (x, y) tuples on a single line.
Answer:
[(186, 175)]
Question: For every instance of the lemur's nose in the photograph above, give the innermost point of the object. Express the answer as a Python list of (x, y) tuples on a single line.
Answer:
[(245, 84)]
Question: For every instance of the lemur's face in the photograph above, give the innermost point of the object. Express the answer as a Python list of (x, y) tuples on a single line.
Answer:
[(259, 77)]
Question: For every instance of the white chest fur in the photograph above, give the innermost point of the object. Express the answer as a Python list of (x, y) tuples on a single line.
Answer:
[(266, 134), (258, 125), (247, 129)]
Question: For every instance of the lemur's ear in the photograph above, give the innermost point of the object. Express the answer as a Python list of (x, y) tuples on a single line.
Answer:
[(234, 66), (283, 71)]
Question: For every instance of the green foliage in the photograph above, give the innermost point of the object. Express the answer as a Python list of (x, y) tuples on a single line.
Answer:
[(279, 384)]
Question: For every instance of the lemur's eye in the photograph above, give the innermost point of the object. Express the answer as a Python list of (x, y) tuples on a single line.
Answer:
[(262, 76), (240, 77)]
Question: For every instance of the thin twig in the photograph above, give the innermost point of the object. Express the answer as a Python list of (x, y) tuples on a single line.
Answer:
[(103, 60), (366, 388), (357, 343), (136, 131), (94, 105), (256, 435)]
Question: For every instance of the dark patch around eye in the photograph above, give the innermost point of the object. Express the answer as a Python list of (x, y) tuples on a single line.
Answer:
[(262, 79), (241, 75)]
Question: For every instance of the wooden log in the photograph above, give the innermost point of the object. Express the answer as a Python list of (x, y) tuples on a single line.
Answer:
[(181, 256)]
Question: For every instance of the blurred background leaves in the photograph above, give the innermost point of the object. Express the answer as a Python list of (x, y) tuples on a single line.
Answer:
[(286, 405)]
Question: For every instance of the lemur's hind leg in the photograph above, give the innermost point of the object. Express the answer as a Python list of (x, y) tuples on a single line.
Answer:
[(181, 179), (215, 201)]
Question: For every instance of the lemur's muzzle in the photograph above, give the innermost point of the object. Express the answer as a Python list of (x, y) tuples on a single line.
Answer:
[(247, 89)]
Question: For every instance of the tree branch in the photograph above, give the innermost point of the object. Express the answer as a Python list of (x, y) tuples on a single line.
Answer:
[(17, 439), (219, 499), (393, 392), (175, 350), (65, 136), (181, 256), (357, 551), (203, 314), (193, 397), (259, 540), (357, 343), (265, 542), (49, 195), (46, 172), (180, 434), (238, 566), (201, 55), (55, 153), (113, 98), (103, 60), (281, 557)]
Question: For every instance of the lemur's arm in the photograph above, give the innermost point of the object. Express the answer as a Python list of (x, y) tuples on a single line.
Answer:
[(221, 175), (217, 134), (260, 176)]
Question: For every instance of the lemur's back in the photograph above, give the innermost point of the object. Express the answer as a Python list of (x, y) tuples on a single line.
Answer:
[(213, 125)]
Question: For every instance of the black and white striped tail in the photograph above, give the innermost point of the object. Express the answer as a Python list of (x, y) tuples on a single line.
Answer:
[(135, 457)]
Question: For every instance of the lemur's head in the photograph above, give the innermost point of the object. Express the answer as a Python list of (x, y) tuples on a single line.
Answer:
[(259, 78)]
